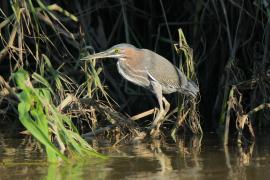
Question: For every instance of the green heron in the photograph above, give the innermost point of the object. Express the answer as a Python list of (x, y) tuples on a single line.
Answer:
[(148, 69)]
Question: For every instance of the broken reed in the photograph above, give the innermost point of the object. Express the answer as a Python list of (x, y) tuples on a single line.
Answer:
[(187, 108)]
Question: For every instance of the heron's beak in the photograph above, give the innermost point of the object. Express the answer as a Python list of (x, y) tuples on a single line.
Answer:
[(104, 54)]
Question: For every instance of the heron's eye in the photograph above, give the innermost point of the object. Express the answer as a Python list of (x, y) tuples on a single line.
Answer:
[(117, 51)]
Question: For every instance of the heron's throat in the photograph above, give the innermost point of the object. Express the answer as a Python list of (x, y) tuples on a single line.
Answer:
[(122, 59)]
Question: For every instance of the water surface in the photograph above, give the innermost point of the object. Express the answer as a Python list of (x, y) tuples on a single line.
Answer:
[(187, 158)]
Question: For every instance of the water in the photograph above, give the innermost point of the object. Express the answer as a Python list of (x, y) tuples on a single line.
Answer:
[(187, 158)]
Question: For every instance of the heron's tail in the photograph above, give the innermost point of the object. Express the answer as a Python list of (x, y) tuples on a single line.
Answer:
[(191, 89)]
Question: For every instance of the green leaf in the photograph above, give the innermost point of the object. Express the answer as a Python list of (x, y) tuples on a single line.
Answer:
[(21, 78), (28, 122)]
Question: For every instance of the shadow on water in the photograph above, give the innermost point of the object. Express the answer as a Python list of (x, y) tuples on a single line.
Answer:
[(187, 158)]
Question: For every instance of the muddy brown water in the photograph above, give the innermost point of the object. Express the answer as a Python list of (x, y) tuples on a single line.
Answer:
[(185, 158)]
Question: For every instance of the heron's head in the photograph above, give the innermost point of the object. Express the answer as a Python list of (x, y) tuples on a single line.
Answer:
[(119, 51)]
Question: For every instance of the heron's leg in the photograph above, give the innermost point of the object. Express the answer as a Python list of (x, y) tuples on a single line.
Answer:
[(167, 105), (161, 119), (157, 89)]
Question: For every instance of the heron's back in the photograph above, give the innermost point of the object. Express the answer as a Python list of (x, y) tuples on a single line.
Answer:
[(163, 71)]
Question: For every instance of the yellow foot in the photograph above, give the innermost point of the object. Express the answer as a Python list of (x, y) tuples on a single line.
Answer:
[(155, 132)]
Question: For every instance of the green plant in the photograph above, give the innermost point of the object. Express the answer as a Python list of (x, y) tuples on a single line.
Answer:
[(42, 119)]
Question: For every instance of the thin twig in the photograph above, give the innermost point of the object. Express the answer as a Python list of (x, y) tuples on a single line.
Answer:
[(143, 114)]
